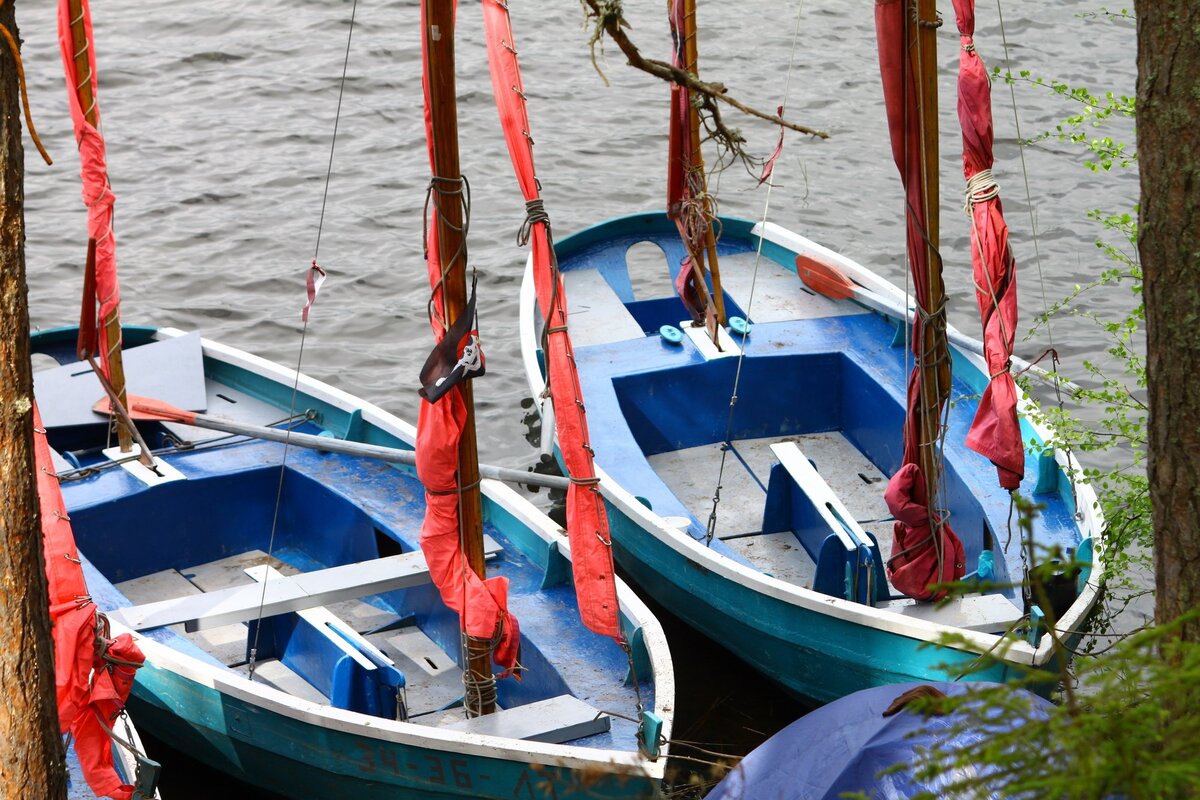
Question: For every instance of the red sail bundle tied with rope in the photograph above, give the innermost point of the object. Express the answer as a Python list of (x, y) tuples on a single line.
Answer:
[(587, 522), (93, 674), (687, 201), (995, 432), (925, 551), (482, 605), (93, 169)]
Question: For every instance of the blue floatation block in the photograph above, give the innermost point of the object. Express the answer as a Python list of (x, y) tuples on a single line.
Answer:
[(739, 326), (670, 334)]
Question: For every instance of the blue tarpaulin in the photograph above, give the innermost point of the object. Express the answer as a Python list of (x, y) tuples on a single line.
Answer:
[(846, 746)]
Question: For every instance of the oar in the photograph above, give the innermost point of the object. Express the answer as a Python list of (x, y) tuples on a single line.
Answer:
[(147, 408), (826, 279)]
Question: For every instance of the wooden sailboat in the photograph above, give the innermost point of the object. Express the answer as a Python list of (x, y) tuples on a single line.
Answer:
[(293, 632), (746, 477)]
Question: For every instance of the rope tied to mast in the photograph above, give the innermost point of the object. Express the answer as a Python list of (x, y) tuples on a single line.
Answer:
[(535, 212)]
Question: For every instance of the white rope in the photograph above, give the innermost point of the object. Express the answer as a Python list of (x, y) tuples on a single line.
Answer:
[(981, 187)]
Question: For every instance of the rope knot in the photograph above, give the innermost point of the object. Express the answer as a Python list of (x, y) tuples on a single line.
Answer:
[(981, 187), (535, 212)]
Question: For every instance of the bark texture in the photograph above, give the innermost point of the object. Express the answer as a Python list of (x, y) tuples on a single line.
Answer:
[(1168, 106), (31, 751)]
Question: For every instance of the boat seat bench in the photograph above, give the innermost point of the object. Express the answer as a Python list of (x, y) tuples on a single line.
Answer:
[(800, 500), (555, 720), (848, 560), (330, 656), (285, 594)]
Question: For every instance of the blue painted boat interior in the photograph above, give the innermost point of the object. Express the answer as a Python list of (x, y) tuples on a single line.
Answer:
[(847, 373), (332, 510)]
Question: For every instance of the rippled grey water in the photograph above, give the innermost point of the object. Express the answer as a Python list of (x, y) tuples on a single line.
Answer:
[(219, 117)]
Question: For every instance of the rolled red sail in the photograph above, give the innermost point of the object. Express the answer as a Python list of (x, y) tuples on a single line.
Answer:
[(482, 605), (587, 522), (925, 550), (93, 170), (995, 433), (93, 675)]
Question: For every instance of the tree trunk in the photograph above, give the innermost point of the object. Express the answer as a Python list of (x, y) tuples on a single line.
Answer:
[(31, 764), (1168, 104)]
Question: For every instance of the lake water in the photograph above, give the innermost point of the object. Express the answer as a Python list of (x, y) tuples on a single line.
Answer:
[(219, 117)]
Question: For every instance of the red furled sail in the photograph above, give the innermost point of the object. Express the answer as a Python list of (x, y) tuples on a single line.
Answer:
[(482, 605), (93, 168), (995, 433), (686, 204), (92, 673), (929, 552), (587, 522)]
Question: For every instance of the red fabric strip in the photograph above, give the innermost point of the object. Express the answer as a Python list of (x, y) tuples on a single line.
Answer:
[(995, 432), (93, 170), (85, 684), (587, 522)]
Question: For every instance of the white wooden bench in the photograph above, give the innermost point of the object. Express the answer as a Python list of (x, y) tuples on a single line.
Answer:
[(556, 720), (987, 613), (596, 314), (283, 594), (338, 661), (832, 522)]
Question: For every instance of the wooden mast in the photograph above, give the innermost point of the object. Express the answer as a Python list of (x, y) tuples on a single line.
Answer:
[(443, 108), (935, 380), (112, 324), (29, 723), (690, 56)]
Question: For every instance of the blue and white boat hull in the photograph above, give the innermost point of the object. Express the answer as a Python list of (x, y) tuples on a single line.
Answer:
[(813, 367), (341, 510)]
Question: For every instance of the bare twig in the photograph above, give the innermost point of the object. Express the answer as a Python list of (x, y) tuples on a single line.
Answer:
[(608, 20)]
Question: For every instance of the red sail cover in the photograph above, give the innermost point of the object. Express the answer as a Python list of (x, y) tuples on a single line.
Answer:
[(93, 169), (482, 605), (689, 285), (995, 433), (919, 558), (82, 703), (587, 522)]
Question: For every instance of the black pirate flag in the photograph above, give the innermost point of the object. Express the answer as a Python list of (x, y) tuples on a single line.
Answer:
[(456, 358)]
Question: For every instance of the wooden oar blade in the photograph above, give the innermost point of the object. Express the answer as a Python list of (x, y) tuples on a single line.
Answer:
[(147, 408), (824, 279)]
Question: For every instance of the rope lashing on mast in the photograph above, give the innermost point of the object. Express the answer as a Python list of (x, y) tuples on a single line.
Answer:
[(439, 188), (981, 187), (535, 212)]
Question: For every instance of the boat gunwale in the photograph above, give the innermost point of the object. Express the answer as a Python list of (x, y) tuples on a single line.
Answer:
[(1090, 519), (223, 680)]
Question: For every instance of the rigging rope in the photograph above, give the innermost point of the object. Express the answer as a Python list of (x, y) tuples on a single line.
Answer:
[(726, 445), (1037, 253), (300, 355)]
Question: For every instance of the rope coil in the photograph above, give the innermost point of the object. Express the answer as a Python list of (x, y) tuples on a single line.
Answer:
[(535, 212), (981, 187)]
